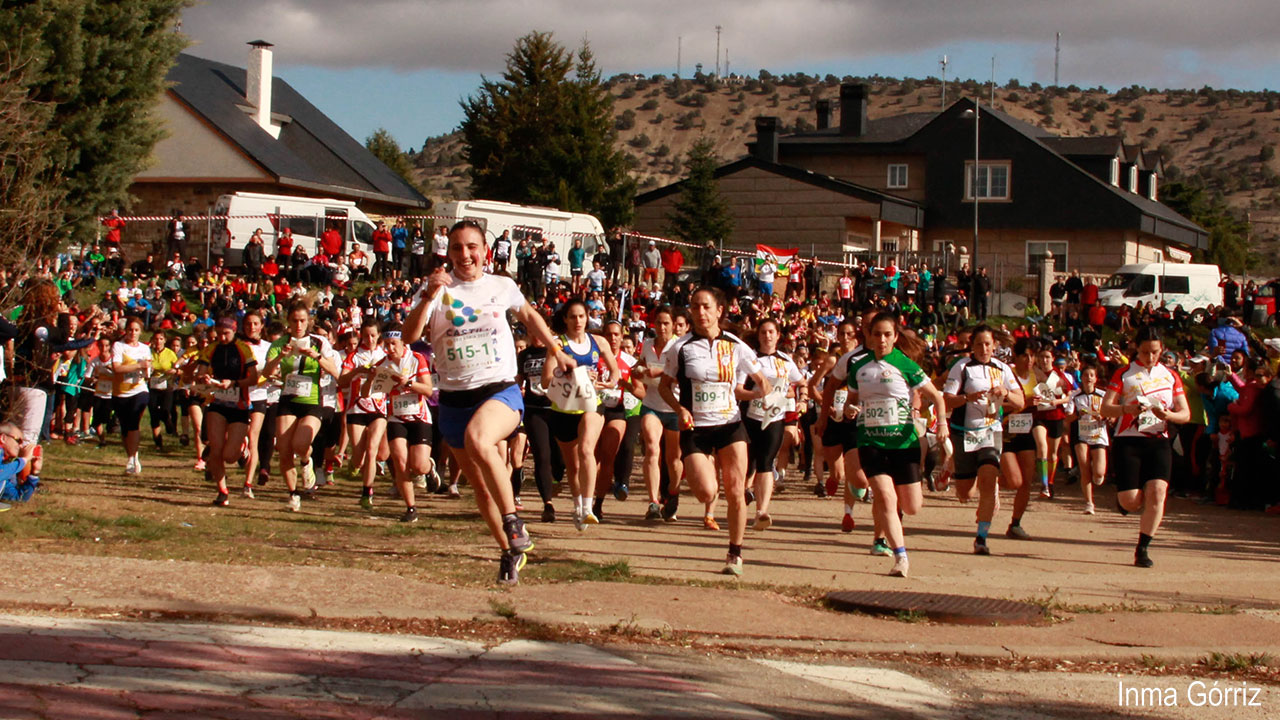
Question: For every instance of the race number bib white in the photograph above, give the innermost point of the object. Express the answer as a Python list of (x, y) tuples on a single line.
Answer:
[(229, 396), (1093, 430), (1149, 424), (978, 439), (273, 393), (838, 402), (383, 382), (880, 412), (159, 382), (713, 398), (467, 354), (769, 409), (630, 402), (573, 391), (406, 404), (297, 385), (1020, 424), (611, 397), (103, 387)]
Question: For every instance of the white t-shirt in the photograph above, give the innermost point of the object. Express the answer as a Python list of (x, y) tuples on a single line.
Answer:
[(258, 393), (130, 383), (359, 399), (766, 272), (654, 359), (782, 373), (711, 369), (440, 244), (969, 375), (470, 336)]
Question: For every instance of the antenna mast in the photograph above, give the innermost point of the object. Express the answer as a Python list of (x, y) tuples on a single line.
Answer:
[(717, 52), (1057, 50), (679, 48), (944, 64)]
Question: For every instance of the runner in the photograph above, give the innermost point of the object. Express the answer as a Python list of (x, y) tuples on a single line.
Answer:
[(576, 421), (366, 412), (836, 432), (131, 363), (104, 385), (464, 313), (1091, 437), (546, 457), (409, 424), (262, 411), (888, 443), (299, 359), (980, 389), (659, 430), (1053, 392), (229, 369), (161, 388), (1018, 456), (621, 407), (764, 417), (710, 366), (1146, 397)]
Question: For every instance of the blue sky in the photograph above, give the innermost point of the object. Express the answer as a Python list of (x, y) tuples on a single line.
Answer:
[(405, 64)]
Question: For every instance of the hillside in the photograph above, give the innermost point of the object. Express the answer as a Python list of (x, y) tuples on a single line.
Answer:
[(1227, 137)]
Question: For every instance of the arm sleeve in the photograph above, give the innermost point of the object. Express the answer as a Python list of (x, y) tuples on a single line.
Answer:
[(117, 352), (952, 385), (671, 360)]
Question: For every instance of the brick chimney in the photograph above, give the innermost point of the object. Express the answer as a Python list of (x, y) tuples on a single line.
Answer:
[(257, 88), (824, 114), (853, 109), (766, 147)]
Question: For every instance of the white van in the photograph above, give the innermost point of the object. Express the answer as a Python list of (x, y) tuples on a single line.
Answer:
[(1194, 287), (527, 221), (307, 217)]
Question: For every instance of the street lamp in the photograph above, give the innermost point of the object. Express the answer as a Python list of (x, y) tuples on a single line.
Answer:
[(972, 114)]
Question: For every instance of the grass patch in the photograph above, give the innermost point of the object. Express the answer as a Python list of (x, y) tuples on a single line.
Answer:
[(1235, 662), (502, 609), (560, 569), (1151, 662), (911, 616)]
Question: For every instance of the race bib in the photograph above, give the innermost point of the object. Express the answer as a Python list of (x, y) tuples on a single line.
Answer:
[(611, 397), (1093, 430), (103, 387), (467, 354), (159, 383), (273, 393), (713, 398), (838, 402), (1149, 424), (1020, 424), (383, 382), (769, 409), (228, 396), (880, 412), (406, 404), (297, 385), (630, 402), (573, 391), (978, 439)]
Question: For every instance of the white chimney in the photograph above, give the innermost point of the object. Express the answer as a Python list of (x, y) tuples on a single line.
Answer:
[(258, 85)]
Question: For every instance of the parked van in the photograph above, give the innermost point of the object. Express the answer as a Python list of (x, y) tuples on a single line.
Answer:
[(527, 222), (1194, 287), (307, 217)]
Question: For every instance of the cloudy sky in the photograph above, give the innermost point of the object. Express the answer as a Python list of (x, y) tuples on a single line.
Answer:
[(404, 64)]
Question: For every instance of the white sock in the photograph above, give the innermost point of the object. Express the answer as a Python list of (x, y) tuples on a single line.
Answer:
[(586, 504), (848, 509)]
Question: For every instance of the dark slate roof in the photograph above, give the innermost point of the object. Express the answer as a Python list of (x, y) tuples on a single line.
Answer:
[(894, 208), (1099, 146), (312, 151), (894, 128)]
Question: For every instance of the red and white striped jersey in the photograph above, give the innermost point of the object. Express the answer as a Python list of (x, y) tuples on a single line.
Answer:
[(1153, 386)]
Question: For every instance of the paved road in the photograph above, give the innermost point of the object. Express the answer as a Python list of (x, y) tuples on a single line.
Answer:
[(95, 669)]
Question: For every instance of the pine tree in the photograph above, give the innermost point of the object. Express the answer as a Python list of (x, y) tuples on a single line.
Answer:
[(543, 137), (701, 213), (101, 66), (384, 147)]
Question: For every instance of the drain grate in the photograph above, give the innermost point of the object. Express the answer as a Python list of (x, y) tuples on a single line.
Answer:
[(958, 609)]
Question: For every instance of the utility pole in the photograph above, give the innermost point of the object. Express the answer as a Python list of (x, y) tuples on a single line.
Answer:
[(993, 81), (726, 61), (1057, 50), (944, 81), (717, 52), (679, 47)]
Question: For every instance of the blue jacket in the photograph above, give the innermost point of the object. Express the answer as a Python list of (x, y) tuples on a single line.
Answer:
[(1233, 338)]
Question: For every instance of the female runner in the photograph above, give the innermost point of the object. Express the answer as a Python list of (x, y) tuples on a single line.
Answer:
[(131, 363), (300, 359), (464, 313), (261, 411), (621, 409), (883, 380), (1146, 397), (710, 366), (1091, 434), (1054, 389), (409, 422), (659, 429), (366, 413), (230, 369), (1018, 456), (764, 419), (576, 421), (161, 388), (979, 389), (537, 411)]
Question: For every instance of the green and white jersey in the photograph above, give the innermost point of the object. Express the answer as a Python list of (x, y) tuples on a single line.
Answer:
[(884, 391)]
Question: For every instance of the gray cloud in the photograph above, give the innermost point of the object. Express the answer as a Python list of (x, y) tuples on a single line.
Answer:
[(1154, 42)]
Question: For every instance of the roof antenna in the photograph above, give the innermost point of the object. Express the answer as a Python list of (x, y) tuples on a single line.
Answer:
[(944, 64)]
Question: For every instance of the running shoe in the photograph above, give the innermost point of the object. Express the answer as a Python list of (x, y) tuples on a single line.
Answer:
[(184, 440), (670, 508), (1142, 559), (1088, 508), (420, 482), (750, 496), (1046, 492), (409, 516), (382, 467), (453, 492), (263, 476), (510, 566), (137, 465), (222, 500), (309, 476), (434, 483), (709, 523), (863, 494), (901, 567), (763, 521), (881, 547), (519, 503), (295, 502), (831, 487), (621, 491), (1017, 533), (244, 454), (846, 523), (589, 518), (128, 466), (943, 482), (517, 537), (597, 508), (819, 489), (579, 523), (366, 502), (5, 507), (548, 513), (732, 566), (247, 491), (779, 484), (980, 548)]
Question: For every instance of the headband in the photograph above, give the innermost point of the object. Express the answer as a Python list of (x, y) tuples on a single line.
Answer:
[(391, 335)]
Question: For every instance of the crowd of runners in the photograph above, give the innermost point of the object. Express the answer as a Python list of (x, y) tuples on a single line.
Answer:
[(461, 378)]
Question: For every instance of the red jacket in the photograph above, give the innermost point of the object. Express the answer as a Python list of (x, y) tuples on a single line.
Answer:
[(672, 260), (331, 241), (381, 241)]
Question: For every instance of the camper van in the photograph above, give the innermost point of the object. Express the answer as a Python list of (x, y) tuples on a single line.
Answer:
[(527, 222), (307, 217), (1194, 287)]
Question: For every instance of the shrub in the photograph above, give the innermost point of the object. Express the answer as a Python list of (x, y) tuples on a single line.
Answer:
[(640, 141), (625, 121), (1267, 153), (627, 93), (649, 104)]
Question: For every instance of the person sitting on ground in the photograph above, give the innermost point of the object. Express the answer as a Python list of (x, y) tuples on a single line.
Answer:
[(20, 467)]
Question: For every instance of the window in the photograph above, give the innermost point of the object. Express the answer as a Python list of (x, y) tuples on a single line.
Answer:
[(301, 226), (991, 178), (889, 246), (1036, 251), (1175, 284), (1115, 171), (898, 175), (1133, 178), (1151, 189)]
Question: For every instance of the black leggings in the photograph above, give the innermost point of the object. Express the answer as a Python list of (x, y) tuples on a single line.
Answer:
[(626, 452), (763, 445), (160, 408), (267, 437), (547, 462)]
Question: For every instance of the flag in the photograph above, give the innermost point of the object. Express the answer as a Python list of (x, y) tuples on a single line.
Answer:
[(781, 259)]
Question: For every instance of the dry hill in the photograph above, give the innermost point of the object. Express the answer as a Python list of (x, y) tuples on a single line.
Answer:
[(1227, 137)]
